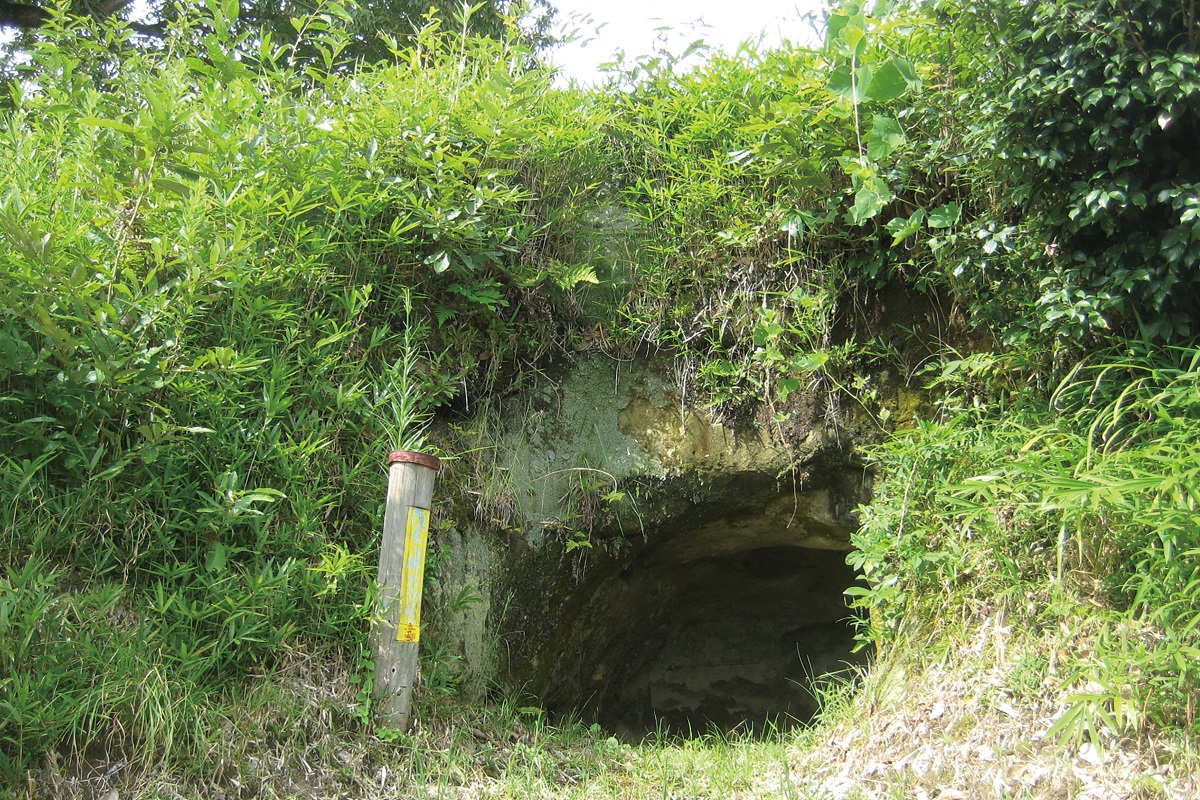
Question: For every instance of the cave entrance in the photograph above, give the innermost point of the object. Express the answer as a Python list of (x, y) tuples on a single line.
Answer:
[(725, 625)]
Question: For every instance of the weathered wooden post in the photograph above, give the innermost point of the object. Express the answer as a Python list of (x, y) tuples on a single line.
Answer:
[(397, 627)]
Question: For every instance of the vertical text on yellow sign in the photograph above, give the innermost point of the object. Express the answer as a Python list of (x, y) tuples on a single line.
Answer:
[(412, 581)]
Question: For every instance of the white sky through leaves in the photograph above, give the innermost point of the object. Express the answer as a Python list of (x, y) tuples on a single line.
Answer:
[(637, 28)]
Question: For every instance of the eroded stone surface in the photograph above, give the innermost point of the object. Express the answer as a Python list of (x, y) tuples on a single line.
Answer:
[(659, 600)]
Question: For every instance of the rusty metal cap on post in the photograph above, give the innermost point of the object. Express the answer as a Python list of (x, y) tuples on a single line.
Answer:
[(413, 457)]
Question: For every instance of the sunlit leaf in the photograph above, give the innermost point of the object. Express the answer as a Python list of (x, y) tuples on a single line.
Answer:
[(850, 83), (903, 227), (888, 83), (884, 138), (855, 39), (945, 216)]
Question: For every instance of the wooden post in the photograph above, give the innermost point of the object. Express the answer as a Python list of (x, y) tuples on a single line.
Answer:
[(397, 628)]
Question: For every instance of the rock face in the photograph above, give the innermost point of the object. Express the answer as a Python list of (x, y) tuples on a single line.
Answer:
[(640, 563)]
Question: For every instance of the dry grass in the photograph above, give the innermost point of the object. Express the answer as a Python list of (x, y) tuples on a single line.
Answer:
[(971, 724), (292, 734)]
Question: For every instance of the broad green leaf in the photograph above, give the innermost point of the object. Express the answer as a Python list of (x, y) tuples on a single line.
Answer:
[(945, 216), (798, 224), (850, 84), (908, 71), (834, 26), (810, 362), (888, 84), (867, 204), (886, 135), (855, 166), (902, 228), (871, 195), (841, 81), (855, 40), (786, 387), (218, 556)]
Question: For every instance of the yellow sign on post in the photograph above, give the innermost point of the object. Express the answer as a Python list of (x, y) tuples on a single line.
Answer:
[(397, 629), (416, 537)]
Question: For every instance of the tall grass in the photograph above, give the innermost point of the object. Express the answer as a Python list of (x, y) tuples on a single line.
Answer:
[(227, 288), (1086, 497)]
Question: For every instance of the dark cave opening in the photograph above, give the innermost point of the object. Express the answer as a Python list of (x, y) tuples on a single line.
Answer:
[(683, 639)]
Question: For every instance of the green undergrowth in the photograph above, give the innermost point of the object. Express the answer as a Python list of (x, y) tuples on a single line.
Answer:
[(230, 286), (293, 732), (1077, 509)]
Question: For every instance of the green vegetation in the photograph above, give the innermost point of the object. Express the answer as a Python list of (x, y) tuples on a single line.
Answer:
[(371, 29), (1052, 507), (228, 290), (237, 269)]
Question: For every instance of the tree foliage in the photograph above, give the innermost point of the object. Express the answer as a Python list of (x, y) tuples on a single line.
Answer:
[(1055, 190), (374, 28), (1102, 120)]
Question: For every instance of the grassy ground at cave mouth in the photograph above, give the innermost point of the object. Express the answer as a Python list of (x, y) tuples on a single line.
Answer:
[(949, 713)]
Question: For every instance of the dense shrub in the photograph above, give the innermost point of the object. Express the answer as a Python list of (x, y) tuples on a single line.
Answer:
[(228, 288), (1102, 120)]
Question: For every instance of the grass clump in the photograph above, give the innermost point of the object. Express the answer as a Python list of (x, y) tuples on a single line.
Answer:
[(1078, 514)]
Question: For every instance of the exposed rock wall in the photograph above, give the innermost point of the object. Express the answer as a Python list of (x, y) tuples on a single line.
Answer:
[(612, 536)]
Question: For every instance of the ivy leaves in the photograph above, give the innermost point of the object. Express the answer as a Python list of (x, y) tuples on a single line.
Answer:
[(1103, 117)]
